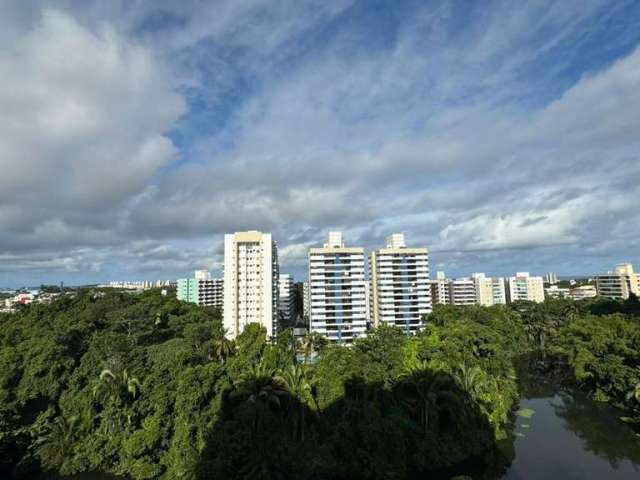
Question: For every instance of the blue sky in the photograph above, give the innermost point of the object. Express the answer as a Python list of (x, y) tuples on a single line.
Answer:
[(501, 135)]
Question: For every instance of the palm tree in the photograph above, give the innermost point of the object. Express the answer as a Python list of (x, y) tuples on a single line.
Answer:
[(118, 388), (469, 379), (423, 391), (223, 348), (294, 379), (312, 343), (55, 446)]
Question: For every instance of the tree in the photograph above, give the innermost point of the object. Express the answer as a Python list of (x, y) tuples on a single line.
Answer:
[(223, 348), (469, 378), (55, 444), (312, 344), (422, 391), (294, 378)]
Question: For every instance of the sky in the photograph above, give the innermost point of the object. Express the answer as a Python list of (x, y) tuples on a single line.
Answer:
[(504, 136)]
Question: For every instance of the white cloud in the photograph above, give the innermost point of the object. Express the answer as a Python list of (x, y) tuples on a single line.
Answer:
[(82, 128), (470, 136)]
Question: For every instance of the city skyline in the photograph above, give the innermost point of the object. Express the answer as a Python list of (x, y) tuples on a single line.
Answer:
[(300, 274), (135, 136)]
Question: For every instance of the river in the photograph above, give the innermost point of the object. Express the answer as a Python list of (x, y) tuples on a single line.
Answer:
[(567, 436)]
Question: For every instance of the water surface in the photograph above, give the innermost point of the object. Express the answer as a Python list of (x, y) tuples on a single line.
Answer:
[(568, 436)]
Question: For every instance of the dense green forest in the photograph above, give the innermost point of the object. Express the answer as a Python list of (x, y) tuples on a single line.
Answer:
[(148, 387)]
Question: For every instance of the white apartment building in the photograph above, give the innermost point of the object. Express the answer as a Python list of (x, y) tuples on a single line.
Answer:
[(338, 290), (440, 290), (286, 305), (525, 287), (619, 284), (489, 290), (400, 286), (250, 282), (462, 291), (551, 278)]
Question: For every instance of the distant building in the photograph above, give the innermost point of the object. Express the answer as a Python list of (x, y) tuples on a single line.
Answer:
[(338, 291), (582, 292), (250, 282), (306, 301), (286, 304), (400, 290), (525, 287), (202, 275), (551, 278), (202, 290), (462, 291), (619, 284), (556, 292), (440, 289), (489, 290)]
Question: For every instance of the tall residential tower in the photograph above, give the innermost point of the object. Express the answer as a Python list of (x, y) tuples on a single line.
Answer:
[(250, 282), (337, 290), (400, 288)]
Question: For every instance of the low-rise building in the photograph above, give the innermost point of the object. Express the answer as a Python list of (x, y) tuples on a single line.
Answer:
[(582, 292), (556, 292)]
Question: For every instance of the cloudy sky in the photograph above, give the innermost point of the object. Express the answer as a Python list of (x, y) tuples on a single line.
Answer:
[(134, 134)]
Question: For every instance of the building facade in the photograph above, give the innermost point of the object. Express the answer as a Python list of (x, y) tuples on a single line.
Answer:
[(306, 301), (619, 284), (400, 287), (462, 291), (582, 292), (286, 304), (525, 287), (337, 291), (489, 290), (201, 290), (250, 282), (440, 290)]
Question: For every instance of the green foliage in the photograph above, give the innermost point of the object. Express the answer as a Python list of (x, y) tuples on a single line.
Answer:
[(149, 387)]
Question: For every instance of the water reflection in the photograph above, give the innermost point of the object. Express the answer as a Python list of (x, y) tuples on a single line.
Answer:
[(571, 437), (599, 428)]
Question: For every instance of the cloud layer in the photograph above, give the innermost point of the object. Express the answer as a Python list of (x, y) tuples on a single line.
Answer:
[(133, 137)]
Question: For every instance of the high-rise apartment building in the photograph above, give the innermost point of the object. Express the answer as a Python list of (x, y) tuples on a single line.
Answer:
[(201, 290), (250, 282), (338, 291), (400, 287), (619, 284), (489, 290), (525, 287), (462, 291), (551, 278), (286, 304)]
